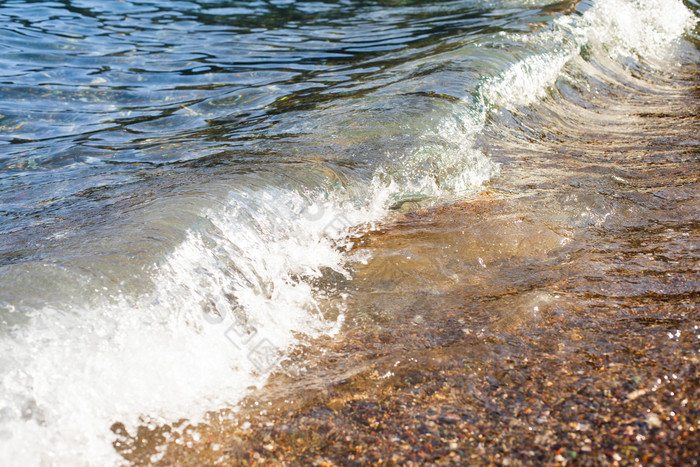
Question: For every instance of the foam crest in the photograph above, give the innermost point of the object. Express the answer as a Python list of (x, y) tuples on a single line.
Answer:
[(445, 162), (229, 302), (616, 29), (526, 81), (646, 28)]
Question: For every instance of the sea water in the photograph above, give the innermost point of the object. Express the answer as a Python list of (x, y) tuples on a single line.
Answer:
[(182, 183)]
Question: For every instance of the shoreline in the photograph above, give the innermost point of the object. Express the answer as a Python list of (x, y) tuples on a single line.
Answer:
[(569, 345)]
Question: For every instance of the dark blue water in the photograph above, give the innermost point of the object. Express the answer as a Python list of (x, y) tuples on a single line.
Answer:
[(170, 170)]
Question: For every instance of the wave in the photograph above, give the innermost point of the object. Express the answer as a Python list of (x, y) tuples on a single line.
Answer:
[(254, 268)]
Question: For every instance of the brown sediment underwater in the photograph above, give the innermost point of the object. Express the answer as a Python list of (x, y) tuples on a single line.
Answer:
[(553, 320)]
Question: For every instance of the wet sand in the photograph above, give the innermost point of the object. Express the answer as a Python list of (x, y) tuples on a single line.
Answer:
[(552, 320)]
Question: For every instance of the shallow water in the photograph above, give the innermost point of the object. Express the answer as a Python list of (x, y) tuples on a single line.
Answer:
[(195, 195), (553, 321)]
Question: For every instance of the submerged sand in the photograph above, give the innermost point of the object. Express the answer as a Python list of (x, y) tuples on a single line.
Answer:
[(553, 320)]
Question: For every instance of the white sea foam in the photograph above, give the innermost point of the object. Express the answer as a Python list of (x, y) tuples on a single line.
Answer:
[(646, 29), (229, 302), (445, 162), (526, 81)]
